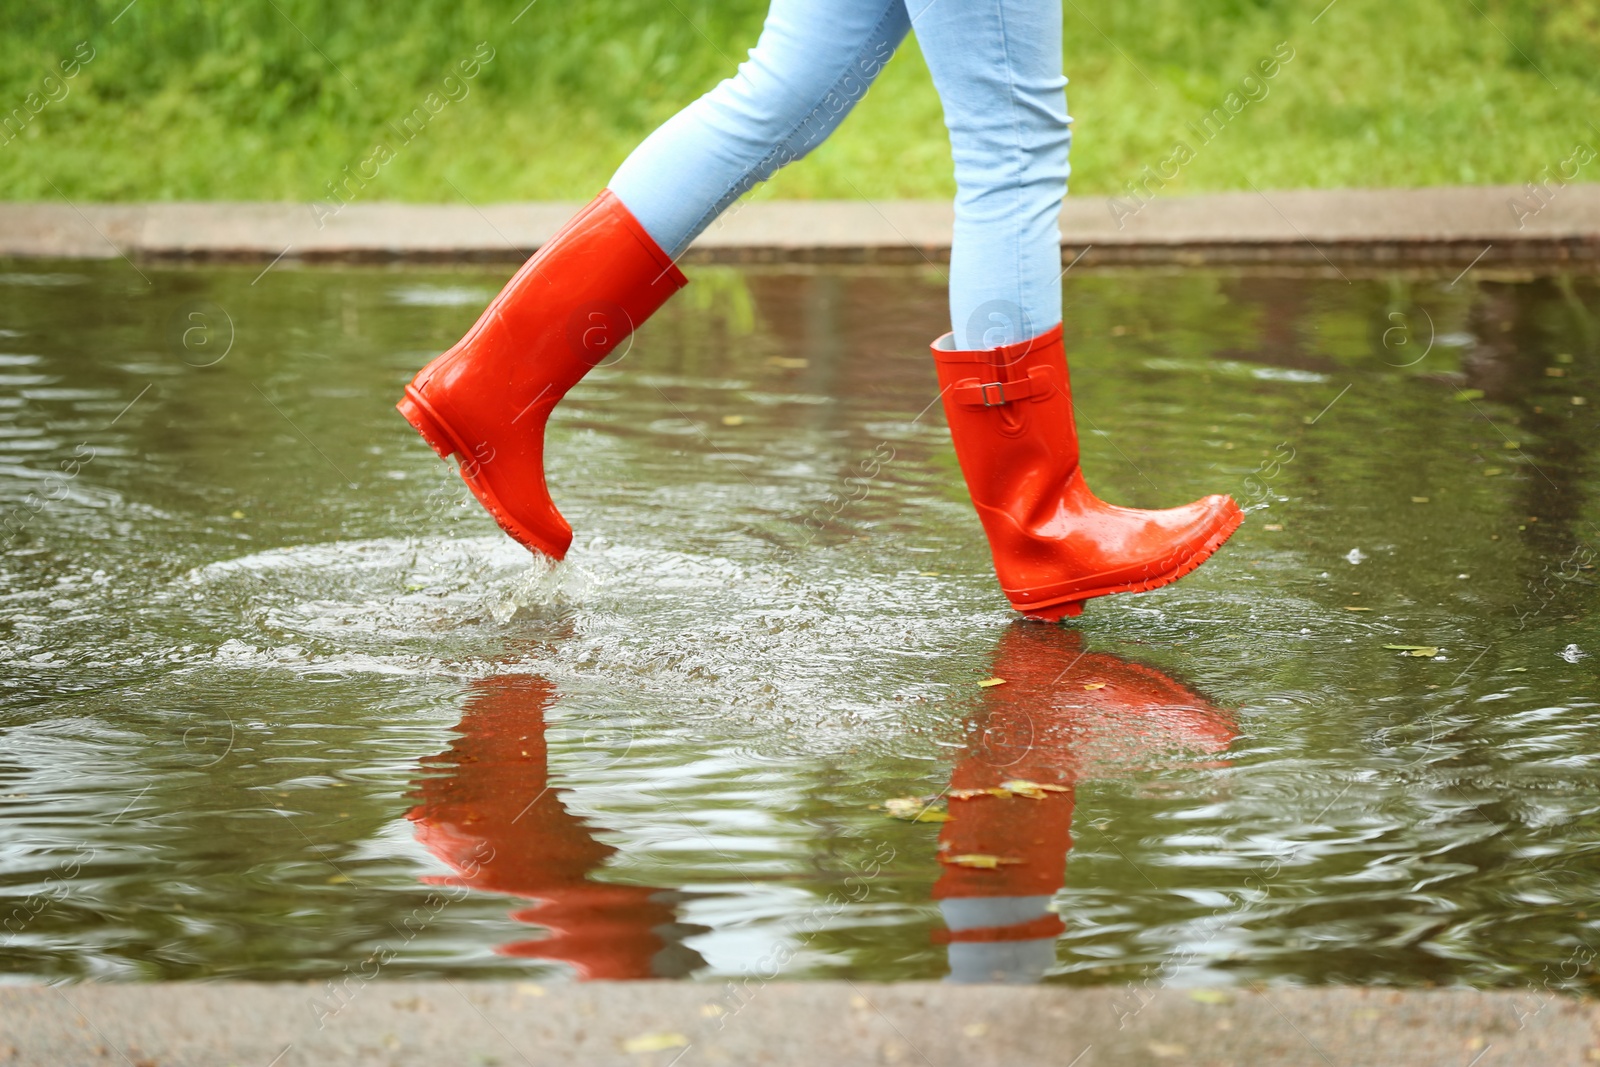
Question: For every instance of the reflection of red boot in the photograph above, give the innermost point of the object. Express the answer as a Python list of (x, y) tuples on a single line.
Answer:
[(1062, 715), (1056, 544), (486, 808), (487, 399)]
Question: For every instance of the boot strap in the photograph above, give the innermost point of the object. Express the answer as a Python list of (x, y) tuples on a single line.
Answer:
[(980, 394)]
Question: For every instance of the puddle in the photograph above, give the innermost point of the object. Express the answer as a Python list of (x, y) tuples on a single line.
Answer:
[(278, 700)]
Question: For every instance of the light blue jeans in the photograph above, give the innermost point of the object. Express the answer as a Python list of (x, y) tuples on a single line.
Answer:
[(997, 67)]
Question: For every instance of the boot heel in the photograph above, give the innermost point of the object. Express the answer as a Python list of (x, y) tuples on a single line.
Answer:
[(422, 420)]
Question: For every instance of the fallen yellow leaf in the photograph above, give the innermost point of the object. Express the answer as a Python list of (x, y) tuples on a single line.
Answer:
[(1095, 685), (977, 861), (733, 420), (988, 682), (1021, 787), (914, 809), (655, 1042), (968, 794)]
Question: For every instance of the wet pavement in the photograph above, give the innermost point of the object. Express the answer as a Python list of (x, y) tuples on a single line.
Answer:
[(399, 1024)]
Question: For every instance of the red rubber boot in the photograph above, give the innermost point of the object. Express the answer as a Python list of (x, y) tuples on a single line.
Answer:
[(487, 399), (1055, 543)]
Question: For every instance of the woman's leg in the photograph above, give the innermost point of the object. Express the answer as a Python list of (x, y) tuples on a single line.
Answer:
[(1005, 386), (488, 398), (997, 66), (815, 59)]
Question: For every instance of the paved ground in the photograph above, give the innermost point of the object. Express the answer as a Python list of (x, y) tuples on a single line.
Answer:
[(1319, 228), (813, 1024)]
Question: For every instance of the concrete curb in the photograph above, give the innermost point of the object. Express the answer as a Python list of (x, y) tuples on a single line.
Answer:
[(1491, 225), (686, 1024)]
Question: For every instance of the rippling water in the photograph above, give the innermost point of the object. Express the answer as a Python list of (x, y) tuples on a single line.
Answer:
[(278, 701)]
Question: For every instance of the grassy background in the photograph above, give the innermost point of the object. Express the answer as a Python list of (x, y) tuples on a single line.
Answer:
[(270, 99)]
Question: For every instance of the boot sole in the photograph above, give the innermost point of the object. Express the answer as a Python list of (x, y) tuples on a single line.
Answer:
[(443, 440), (1070, 607)]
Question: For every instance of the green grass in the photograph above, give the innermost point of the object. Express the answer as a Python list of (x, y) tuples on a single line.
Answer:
[(272, 99)]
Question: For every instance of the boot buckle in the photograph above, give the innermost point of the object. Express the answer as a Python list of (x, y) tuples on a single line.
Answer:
[(999, 391)]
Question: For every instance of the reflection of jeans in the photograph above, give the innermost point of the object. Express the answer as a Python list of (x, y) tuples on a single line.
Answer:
[(1023, 960), (997, 67)]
